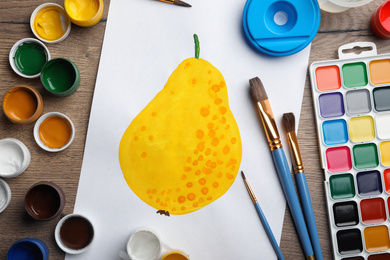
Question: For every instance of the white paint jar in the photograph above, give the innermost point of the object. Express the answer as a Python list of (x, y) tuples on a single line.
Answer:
[(5, 195), (145, 244), (14, 157)]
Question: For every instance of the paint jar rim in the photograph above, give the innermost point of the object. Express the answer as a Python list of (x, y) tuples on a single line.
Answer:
[(38, 124), (25, 160), (54, 187), (57, 234), (63, 14), (338, 6), (32, 241), (5, 187), (175, 251), (90, 22), (350, 4), (71, 89), (135, 233), (38, 98), (15, 47), (330, 7)]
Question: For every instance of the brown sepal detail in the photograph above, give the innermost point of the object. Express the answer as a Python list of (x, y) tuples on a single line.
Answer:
[(163, 212)]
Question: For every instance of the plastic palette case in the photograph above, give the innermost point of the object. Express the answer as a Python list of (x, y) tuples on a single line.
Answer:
[(351, 98)]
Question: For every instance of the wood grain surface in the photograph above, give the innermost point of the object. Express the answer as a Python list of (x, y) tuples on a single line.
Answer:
[(83, 46)]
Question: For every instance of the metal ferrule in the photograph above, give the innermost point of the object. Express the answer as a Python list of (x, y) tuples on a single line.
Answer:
[(269, 124), (310, 257), (250, 191), (295, 153)]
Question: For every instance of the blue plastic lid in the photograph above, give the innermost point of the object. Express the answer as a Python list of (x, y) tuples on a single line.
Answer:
[(28, 249), (281, 28)]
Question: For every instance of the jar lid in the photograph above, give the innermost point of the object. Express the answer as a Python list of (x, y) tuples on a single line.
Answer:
[(5, 195), (74, 233), (27, 57), (15, 157), (54, 132), (280, 28), (50, 23)]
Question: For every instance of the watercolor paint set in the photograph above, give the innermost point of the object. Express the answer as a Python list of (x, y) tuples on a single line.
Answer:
[(351, 97)]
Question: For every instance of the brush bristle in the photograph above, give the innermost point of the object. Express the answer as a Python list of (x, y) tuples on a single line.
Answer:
[(289, 122), (181, 3), (243, 175), (257, 90)]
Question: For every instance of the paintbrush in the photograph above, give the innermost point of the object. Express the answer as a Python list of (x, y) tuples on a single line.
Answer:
[(263, 218), (303, 189), (176, 2), (268, 121)]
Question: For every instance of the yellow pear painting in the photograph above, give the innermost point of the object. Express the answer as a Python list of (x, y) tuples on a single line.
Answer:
[(183, 150)]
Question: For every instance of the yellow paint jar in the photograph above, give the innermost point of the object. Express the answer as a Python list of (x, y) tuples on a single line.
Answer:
[(54, 132), (50, 23), (22, 104), (84, 13)]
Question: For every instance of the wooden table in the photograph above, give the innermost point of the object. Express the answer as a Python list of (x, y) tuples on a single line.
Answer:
[(83, 46)]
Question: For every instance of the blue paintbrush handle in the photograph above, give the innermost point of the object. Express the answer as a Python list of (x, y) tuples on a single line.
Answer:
[(309, 214), (285, 178), (269, 232)]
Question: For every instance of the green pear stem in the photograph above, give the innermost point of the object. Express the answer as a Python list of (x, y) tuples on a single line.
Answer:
[(197, 46)]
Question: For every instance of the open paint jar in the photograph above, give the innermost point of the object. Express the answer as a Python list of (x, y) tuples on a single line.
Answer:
[(50, 23), (54, 132), (22, 104), (44, 201), (61, 77), (145, 244), (28, 248), (380, 22), (14, 157), (5, 195), (27, 57), (30, 58), (175, 254), (338, 6), (74, 234), (84, 13)]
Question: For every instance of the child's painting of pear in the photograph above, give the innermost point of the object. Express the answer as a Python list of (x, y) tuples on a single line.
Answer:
[(183, 150)]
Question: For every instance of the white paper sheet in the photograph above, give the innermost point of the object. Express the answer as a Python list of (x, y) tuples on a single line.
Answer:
[(145, 41)]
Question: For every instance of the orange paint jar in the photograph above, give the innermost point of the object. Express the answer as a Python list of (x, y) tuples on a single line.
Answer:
[(175, 254), (22, 104), (54, 132)]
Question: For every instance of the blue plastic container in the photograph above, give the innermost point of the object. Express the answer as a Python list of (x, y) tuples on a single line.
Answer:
[(28, 249), (281, 28)]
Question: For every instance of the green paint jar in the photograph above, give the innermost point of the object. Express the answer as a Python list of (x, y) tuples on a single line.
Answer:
[(28, 56), (60, 77)]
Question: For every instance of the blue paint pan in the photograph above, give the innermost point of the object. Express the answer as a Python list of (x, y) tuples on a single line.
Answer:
[(280, 28)]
